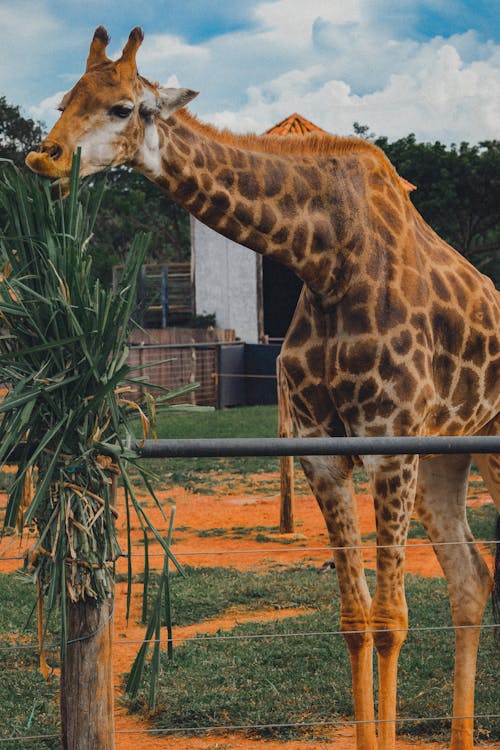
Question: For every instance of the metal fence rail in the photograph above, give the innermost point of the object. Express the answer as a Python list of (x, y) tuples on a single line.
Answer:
[(339, 446)]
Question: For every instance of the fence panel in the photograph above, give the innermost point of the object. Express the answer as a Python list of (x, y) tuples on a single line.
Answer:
[(178, 366)]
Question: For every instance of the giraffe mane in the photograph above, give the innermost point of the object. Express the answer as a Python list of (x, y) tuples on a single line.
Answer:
[(312, 143)]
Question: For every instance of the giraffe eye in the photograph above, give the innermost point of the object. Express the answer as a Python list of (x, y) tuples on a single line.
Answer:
[(121, 111)]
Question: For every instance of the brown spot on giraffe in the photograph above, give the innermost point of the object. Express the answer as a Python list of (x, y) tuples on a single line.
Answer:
[(280, 237), (248, 185), (395, 334), (268, 219)]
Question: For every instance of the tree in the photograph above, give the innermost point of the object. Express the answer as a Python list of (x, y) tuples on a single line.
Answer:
[(66, 416), (133, 204), (18, 135)]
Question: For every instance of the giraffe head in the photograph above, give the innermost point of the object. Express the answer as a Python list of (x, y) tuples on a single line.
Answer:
[(110, 114)]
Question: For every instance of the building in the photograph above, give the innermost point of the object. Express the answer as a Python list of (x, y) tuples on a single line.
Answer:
[(255, 296)]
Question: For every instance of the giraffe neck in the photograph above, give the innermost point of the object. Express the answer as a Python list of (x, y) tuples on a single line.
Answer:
[(273, 203)]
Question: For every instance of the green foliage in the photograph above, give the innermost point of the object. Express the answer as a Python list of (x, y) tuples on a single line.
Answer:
[(18, 134), (153, 631), (133, 205), (136, 205), (66, 414)]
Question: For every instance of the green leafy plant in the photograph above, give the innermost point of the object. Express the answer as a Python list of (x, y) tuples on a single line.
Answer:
[(71, 401)]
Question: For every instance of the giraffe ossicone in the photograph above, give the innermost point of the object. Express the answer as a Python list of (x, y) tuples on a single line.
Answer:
[(395, 333)]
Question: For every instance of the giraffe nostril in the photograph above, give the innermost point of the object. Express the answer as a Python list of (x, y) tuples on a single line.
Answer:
[(53, 150)]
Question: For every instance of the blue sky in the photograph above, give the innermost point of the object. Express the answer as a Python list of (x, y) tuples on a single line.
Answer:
[(431, 67)]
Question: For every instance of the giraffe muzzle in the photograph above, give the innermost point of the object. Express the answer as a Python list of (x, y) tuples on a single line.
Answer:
[(48, 161), (41, 163)]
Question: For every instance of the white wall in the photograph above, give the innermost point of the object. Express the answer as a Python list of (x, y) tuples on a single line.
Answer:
[(225, 280)]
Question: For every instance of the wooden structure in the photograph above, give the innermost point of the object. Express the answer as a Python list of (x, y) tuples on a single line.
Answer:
[(294, 125), (183, 356), (165, 294)]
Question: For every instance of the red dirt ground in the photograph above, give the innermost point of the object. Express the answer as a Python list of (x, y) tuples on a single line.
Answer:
[(225, 510)]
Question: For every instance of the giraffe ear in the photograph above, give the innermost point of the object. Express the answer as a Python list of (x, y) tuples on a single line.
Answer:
[(173, 99)]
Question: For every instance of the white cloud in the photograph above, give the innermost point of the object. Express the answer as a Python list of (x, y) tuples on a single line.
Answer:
[(160, 49), (46, 111), (334, 62), (440, 89), (291, 22), (445, 100)]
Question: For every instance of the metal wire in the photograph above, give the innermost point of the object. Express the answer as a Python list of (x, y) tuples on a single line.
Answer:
[(203, 639), (26, 737), (291, 549), (252, 727), (305, 724), (281, 446)]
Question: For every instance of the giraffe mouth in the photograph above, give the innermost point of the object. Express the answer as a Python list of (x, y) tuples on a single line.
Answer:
[(59, 187), (43, 166)]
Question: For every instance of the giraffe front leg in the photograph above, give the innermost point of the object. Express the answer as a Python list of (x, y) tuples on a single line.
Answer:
[(389, 619), (330, 480), (394, 483)]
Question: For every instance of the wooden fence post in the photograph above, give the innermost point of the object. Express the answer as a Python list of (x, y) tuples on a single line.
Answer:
[(287, 523), (192, 374), (87, 681), (87, 701)]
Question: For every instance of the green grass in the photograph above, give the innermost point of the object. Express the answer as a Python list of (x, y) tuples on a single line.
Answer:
[(202, 474), (481, 522), (28, 705), (256, 681), (304, 679), (209, 592)]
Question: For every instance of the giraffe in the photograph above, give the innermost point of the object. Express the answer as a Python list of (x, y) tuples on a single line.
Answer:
[(395, 333)]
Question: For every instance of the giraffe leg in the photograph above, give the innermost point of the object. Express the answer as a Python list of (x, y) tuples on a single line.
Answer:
[(489, 464), (330, 480), (441, 500), (394, 481)]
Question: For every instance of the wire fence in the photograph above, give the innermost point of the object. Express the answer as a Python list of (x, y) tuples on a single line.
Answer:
[(311, 446), (175, 366), (203, 639)]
